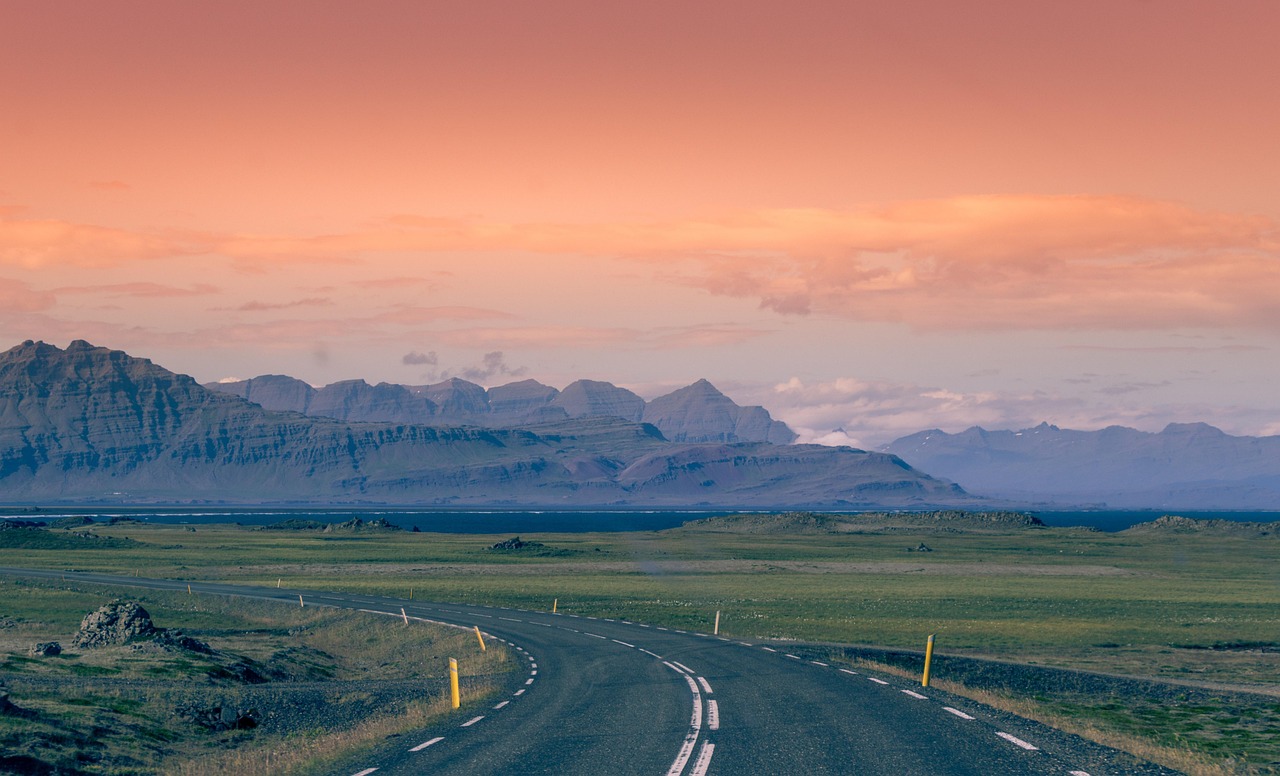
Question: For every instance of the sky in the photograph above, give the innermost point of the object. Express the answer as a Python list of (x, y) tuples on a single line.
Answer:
[(871, 218)]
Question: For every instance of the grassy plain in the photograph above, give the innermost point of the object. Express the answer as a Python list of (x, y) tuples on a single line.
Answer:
[(118, 710), (1190, 608)]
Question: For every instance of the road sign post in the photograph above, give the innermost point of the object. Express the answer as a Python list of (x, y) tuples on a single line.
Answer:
[(928, 658)]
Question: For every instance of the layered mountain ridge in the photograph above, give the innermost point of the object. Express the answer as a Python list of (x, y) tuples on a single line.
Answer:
[(695, 413), (1183, 466), (88, 424)]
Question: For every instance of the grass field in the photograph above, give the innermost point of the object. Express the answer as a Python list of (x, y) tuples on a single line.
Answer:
[(119, 709), (1191, 608)]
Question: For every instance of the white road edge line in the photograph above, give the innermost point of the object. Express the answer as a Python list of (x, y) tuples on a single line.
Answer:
[(706, 686), (713, 715), (956, 712), (425, 744), (1017, 741)]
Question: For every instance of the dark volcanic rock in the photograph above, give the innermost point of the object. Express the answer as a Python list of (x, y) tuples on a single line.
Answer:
[(45, 649), (118, 622)]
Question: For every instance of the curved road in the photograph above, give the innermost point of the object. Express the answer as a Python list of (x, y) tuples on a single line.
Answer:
[(603, 696)]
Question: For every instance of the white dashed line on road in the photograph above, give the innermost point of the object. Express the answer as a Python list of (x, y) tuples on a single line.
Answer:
[(820, 663), (529, 680), (623, 643), (706, 687), (500, 705), (914, 694), (425, 744), (1017, 741), (713, 715), (956, 712), (877, 681), (769, 649), (366, 772), (847, 671), (472, 721)]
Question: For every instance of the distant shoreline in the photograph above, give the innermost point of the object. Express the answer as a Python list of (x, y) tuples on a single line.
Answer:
[(510, 520)]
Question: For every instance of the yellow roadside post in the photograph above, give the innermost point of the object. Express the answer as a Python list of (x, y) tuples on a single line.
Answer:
[(555, 602), (716, 630), (928, 658), (480, 637), (453, 683), (188, 589)]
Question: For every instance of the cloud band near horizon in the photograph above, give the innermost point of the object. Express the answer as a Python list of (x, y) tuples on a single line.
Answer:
[(979, 262)]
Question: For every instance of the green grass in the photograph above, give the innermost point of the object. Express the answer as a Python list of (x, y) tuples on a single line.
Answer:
[(1148, 605), (118, 728)]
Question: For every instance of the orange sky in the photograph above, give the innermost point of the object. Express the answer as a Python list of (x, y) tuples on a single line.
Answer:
[(865, 215)]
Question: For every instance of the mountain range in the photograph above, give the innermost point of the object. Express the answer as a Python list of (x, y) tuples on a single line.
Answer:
[(695, 413), (89, 424), (1184, 466)]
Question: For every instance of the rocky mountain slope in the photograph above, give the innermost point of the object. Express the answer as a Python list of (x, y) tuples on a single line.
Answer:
[(92, 424), (696, 413), (1184, 466)]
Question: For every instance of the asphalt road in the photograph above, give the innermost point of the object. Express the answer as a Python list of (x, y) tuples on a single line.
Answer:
[(604, 696)]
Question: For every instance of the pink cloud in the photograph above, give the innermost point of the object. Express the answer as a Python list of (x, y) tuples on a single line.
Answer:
[(37, 243), (256, 306), (18, 297), (140, 289), (990, 262)]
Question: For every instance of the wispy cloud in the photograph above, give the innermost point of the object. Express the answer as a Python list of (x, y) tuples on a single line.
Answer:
[(989, 262), (256, 306), (140, 289)]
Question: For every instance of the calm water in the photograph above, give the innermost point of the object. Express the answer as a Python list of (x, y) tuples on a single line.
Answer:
[(518, 521)]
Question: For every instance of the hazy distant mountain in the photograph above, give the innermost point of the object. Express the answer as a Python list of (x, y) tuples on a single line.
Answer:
[(701, 413), (91, 424), (696, 413), (1185, 466)]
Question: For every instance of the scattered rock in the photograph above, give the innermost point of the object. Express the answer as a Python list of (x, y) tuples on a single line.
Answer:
[(45, 649), (921, 548), (11, 524), (119, 622), (1176, 524), (221, 717), (357, 524), (126, 622), (515, 543), (73, 521)]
